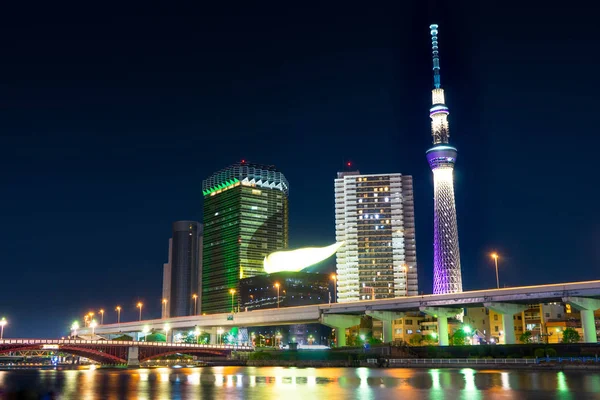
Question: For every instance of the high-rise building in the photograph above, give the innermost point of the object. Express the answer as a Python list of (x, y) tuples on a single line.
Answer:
[(375, 217), (447, 276), (245, 219), (182, 276)]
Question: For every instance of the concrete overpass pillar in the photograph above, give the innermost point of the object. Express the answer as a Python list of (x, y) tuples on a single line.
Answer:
[(442, 315), (387, 318), (340, 323), (508, 310), (133, 356), (586, 307)]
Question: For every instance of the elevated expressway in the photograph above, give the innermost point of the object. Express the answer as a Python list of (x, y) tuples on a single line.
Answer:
[(584, 296)]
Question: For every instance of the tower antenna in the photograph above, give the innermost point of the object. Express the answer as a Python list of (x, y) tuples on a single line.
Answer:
[(436, 56)]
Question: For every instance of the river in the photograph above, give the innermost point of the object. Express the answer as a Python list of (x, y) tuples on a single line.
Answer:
[(266, 383)]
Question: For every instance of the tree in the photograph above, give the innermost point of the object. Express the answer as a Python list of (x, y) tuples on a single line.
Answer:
[(429, 339), (459, 338), (416, 339), (525, 337), (570, 335)]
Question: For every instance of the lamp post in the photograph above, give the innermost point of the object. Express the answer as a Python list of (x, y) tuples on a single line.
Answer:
[(197, 334), (164, 304), (118, 310), (195, 297), (74, 328), (495, 257), (167, 328), (101, 316), (277, 286), (140, 305), (3, 323), (334, 278), (145, 332), (219, 333), (232, 291), (93, 325)]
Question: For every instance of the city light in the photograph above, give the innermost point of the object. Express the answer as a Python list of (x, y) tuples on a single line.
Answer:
[(145, 331), (93, 325), (195, 297), (101, 316), (166, 329), (140, 305), (277, 286), (297, 260), (118, 310), (495, 257), (334, 278), (467, 329), (3, 323), (164, 304), (74, 328), (197, 334)]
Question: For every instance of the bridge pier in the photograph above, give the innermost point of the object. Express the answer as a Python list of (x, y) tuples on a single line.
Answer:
[(133, 356), (387, 318), (340, 323), (442, 315), (586, 308), (508, 310)]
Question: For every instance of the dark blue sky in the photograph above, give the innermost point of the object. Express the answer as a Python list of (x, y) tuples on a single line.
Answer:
[(110, 121)]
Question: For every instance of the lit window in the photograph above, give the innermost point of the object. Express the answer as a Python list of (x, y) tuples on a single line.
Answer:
[(387, 199)]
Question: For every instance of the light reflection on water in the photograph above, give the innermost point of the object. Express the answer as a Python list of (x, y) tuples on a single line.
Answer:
[(291, 383)]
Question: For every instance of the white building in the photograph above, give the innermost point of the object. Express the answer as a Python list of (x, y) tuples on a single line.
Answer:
[(375, 217)]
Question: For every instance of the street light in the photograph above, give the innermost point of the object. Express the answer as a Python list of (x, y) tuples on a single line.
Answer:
[(197, 334), (101, 316), (495, 257), (277, 286), (164, 302), (232, 291), (334, 278), (93, 325), (3, 322), (145, 332), (74, 328), (140, 305), (195, 297), (167, 328), (118, 310)]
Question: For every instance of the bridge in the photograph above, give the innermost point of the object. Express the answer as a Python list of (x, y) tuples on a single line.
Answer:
[(583, 296), (118, 351)]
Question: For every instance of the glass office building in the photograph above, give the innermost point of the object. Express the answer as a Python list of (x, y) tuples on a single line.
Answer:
[(245, 219)]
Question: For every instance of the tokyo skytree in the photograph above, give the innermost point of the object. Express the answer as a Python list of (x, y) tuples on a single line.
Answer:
[(441, 157)]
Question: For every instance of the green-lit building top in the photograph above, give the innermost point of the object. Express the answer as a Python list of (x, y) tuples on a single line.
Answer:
[(245, 219)]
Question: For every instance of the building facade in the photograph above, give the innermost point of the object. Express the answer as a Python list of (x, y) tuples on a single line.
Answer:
[(375, 217), (447, 277), (245, 219), (183, 273)]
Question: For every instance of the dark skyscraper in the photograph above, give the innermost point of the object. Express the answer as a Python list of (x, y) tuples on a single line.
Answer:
[(245, 219), (185, 268)]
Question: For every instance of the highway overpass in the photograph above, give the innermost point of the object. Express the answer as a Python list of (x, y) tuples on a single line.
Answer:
[(584, 296)]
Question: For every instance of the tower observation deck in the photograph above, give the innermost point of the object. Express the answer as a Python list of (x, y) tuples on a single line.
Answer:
[(447, 276)]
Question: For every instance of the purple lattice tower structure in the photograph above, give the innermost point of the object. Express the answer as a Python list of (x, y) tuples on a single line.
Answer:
[(441, 157)]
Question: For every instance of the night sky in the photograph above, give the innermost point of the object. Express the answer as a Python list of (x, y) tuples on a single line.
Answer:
[(111, 120)]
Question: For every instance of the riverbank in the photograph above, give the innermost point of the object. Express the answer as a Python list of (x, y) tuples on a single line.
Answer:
[(348, 364)]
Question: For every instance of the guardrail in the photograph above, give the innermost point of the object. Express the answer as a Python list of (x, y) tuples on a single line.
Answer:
[(415, 361), (125, 343)]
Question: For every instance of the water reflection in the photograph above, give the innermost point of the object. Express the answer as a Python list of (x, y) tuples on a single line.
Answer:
[(290, 383)]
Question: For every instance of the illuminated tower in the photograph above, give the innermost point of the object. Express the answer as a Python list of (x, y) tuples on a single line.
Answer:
[(441, 157)]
